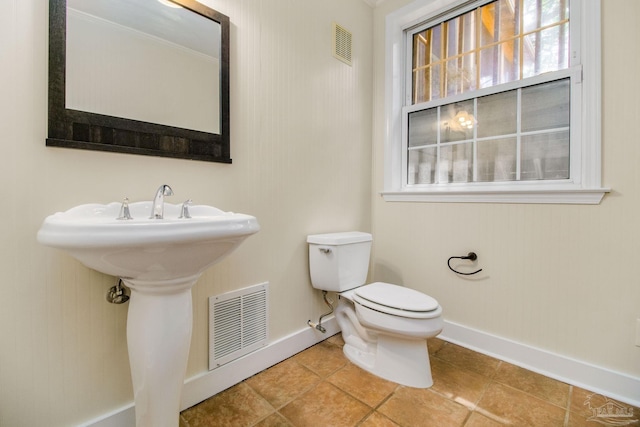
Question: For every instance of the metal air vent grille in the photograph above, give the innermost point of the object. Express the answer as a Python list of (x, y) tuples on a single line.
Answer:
[(342, 39), (237, 323)]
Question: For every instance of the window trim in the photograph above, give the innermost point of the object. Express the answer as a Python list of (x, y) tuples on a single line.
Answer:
[(584, 187)]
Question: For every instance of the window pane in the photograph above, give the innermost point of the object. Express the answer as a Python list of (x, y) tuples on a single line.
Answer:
[(511, 135), (456, 163), (499, 64), (422, 166), (500, 22), (423, 127), (461, 34), (541, 13), (489, 46), (461, 74), (546, 106), (546, 50), (427, 57), (457, 121), (426, 84), (545, 156), (497, 160), (497, 114)]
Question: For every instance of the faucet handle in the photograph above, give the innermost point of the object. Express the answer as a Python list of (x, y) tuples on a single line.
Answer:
[(184, 212), (124, 210)]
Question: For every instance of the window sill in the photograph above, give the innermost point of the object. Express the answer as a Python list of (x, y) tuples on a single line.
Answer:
[(590, 196)]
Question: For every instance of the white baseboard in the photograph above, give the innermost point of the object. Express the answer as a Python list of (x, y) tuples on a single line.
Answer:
[(200, 387), (203, 386), (609, 383)]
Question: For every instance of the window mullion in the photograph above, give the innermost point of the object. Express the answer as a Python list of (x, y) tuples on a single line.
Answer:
[(443, 55), (519, 134), (474, 174), (436, 178), (521, 39), (476, 46)]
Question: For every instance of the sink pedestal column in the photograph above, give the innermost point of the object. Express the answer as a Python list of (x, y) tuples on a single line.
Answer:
[(159, 325)]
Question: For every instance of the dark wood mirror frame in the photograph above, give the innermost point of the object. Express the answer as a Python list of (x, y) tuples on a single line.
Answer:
[(90, 131)]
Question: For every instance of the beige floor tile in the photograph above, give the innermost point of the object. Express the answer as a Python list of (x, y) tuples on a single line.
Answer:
[(478, 420), (324, 358), (507, 405), (236, 406), (336, 340), (579, 401), (584, 405), (538, 385), (463, 386), (283, 382), (362, 385), (377, 420), (577, 420), (468, 359), (319, 387), (325, 405), (435, 344), (410, 407), (274, 420)]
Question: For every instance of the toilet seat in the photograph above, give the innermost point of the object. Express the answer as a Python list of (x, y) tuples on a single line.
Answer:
[(396, 300)]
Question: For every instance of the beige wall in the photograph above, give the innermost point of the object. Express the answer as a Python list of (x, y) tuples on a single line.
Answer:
[(557, 277), (561, 278), (301, 148)]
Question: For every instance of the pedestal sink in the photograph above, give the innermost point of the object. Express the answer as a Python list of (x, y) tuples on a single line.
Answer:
[(160, 260)]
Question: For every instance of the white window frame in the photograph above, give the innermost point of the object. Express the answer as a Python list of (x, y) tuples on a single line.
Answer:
[(584, 184)]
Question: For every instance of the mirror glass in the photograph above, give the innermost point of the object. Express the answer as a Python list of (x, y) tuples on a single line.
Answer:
[(139, 76), (143, 60)]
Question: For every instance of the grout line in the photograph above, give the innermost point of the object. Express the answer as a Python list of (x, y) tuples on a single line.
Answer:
[(568, 412)]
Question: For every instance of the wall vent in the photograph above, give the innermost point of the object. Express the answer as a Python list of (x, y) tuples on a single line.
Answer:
[(342, 43), (237, 323)]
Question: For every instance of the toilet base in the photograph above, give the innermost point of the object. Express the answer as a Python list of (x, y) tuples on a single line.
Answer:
[(395, 359)]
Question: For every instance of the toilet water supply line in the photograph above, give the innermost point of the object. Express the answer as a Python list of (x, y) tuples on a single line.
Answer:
[(318, 325)]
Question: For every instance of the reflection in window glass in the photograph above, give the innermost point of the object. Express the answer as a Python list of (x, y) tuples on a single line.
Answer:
[(516, 135), (422, 166), (500, 42), (456, 163), (423, 127), (497, 114), (545, 156), (457, 121), (497, 160), (545, 106)]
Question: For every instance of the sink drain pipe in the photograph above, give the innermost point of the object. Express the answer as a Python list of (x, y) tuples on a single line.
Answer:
[(118, 294)]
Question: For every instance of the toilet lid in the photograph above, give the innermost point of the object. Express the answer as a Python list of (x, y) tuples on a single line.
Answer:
[(397, 297)]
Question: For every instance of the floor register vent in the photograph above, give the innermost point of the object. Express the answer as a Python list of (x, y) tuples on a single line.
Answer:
[(237, 323)]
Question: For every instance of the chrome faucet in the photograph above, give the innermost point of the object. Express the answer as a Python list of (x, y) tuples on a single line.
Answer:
[(157, 209)]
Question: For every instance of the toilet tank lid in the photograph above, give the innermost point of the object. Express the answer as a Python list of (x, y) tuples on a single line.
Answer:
[(344, 238)]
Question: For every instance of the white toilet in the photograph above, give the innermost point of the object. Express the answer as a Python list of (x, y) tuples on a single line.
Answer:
[(384, 326)]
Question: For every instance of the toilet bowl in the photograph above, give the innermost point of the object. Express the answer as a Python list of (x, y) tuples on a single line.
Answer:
[(384, 326)]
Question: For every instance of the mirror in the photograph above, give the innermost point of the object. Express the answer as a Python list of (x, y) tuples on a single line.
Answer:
[(139, 76)]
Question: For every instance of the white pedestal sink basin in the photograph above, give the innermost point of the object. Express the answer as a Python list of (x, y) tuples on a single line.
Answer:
[(160, 260)]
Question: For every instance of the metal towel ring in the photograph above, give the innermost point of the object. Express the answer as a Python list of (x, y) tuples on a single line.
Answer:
[(470, 256)]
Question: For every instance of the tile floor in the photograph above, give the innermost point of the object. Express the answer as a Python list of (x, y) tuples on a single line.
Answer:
[(320, 387)]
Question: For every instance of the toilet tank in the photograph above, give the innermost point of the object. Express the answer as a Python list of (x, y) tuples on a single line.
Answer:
[(339, 261)]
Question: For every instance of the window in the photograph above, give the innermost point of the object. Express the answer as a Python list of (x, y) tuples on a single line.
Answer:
[(493, 101)]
